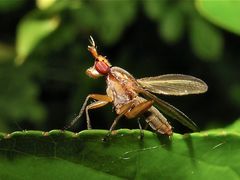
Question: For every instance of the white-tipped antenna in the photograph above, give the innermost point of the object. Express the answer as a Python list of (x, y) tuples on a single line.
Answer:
[(92, 42)]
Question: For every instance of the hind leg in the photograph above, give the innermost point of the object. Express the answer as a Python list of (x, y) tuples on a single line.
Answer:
[(130, 113), (123, 110), (141, 129), (139, 109)]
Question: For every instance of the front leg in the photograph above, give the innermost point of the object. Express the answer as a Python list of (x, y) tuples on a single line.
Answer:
[(93, 105), (98, 97)]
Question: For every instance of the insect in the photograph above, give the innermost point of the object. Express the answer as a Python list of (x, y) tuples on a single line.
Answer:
[(133, 98)]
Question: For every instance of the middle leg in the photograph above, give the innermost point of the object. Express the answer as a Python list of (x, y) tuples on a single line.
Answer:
[(94, 105)]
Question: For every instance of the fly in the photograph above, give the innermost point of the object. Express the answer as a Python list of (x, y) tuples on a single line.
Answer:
[(134, 97)]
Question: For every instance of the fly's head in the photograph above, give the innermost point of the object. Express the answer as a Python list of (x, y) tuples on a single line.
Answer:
[(101, 65)]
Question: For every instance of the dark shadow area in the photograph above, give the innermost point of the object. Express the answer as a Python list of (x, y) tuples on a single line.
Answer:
[(188, 140), (165, 141)]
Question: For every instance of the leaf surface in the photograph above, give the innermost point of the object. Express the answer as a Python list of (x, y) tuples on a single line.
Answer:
[(56, 154)]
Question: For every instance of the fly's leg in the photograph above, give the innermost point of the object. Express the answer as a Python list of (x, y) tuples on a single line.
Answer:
[(141, 129), (130, 113), (146, 126), (102, 101), (139, 109), (79, 114), (94, 105), (125, 108), (99, 97)]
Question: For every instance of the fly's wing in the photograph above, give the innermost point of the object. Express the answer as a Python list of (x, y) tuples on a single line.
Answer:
[(173, 84), (171, 111)]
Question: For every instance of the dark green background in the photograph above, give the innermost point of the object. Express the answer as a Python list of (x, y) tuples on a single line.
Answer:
[(44, 87)]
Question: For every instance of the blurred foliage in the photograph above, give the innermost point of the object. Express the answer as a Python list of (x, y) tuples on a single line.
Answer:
[(43, 55), (234, 94), (222, 13), (32, 30), (8, 6), (206, 41), (18, 97), (172, 22)]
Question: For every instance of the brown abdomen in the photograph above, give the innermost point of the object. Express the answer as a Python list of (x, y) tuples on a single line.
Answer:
[(158, 122)]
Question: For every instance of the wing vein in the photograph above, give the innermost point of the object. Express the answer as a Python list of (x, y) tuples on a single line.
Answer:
[(173, 84)]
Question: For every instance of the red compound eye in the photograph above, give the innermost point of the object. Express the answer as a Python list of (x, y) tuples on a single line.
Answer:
[(102, 67)]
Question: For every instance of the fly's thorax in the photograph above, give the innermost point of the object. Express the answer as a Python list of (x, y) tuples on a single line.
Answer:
[(121, 86)]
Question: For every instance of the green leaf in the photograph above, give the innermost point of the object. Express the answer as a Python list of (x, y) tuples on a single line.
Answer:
[(234, 127), (172, 25), (44, 4), (155, 9), (57, 7), (19, 95), (206, 40), (234, 94), (31, 31), (57, 154), (116, 14), (107, 19), (7, 6), (222, 13), (6, 52)]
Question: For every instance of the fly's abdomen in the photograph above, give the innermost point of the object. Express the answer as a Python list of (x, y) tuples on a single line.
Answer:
[(158, 122)]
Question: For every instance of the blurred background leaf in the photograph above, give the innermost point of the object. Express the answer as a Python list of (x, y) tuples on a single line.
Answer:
[(7, 6), (172, 25), (206, 40), (32, 29), (155, 9), (19, 96), (44, 4), (7, 52), (222, 13)]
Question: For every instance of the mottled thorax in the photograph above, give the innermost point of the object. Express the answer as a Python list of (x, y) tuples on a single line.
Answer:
[(121, 86)]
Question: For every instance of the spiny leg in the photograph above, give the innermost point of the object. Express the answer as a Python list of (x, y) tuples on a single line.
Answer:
[(93, 96)]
